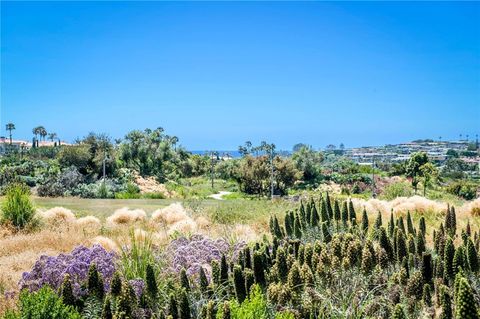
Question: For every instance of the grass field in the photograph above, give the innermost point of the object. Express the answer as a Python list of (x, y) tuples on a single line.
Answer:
[(219, 211)]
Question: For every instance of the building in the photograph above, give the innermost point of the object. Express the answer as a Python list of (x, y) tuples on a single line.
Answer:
[(22, 145), (16, 146)]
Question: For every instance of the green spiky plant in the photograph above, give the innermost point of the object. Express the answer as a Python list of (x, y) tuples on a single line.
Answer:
[(239, 283), (448, 255), (151, 282), (107, 309), (184, 311), (116, 284), (446, 302), (184, 281), (67, 291), (95, 283), (173, 307), (259, 268), (364, 221), (427, 295), (399, 313), (465, 306)]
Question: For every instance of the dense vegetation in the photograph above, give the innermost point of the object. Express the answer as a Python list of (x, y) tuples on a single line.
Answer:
[(324, 260), (79, 170)]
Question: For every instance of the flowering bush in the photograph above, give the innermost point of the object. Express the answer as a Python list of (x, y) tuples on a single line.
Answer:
[(52, 270), (198, 251)]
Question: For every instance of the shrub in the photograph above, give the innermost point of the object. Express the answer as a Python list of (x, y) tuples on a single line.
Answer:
[(397, 189), (45, 304), (255, 306), (18, 209), (463, 189), (156, 195), (78, 156)]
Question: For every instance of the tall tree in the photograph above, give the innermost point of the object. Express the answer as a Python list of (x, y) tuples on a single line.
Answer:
[(10, 127), (43, 133), (428, 172), (413, 169)]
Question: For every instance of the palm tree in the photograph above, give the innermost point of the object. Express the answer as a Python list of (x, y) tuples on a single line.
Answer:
[(10, 127), (36, 131), (52, 136), (174, 141), (43, 132)]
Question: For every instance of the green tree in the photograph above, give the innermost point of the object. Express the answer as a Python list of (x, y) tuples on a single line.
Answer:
[(413, 168), (308, 162), (428, 172)]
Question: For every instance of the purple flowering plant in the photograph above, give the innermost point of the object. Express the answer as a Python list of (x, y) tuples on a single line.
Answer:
[(199, 251), (49, 270)]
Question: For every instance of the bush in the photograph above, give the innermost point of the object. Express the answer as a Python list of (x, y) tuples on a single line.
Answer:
[(153, 196), (57, 186), (132, 191), (397, 189), (97, 190), (255, 306), (463, 189), (45, 304), (75, 155), (18, 209)]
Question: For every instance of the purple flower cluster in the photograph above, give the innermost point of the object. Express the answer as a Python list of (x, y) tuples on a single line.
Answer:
[(138, 286), (52, 270), (198, 251)]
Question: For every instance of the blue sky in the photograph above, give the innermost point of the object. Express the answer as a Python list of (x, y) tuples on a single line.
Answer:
[(216, 74)]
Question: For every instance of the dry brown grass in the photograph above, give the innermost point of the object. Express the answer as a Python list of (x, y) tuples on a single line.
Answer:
[(89, 222), (57, 216), (175, 219), (18, 252), (106, 243), (125, 216)]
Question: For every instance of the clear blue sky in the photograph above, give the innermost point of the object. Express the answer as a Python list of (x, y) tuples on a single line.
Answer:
[(218, 74)]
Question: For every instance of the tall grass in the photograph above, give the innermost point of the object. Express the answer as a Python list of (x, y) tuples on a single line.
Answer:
[(18, 209), (137, 255)]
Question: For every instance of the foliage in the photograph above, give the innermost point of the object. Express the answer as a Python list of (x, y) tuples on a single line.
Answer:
[(17, 208), (396, 189), (45, 304), (75, 155), (152, 153), (414, 168), (308, 162), (254, 307), (58, 185), (254, 175), (320, 261), (463, 189)]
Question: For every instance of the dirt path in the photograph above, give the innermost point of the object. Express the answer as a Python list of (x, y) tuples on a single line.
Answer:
[(219, 195)]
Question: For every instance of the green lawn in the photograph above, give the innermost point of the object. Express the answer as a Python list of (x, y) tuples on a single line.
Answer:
[(224, 212)]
